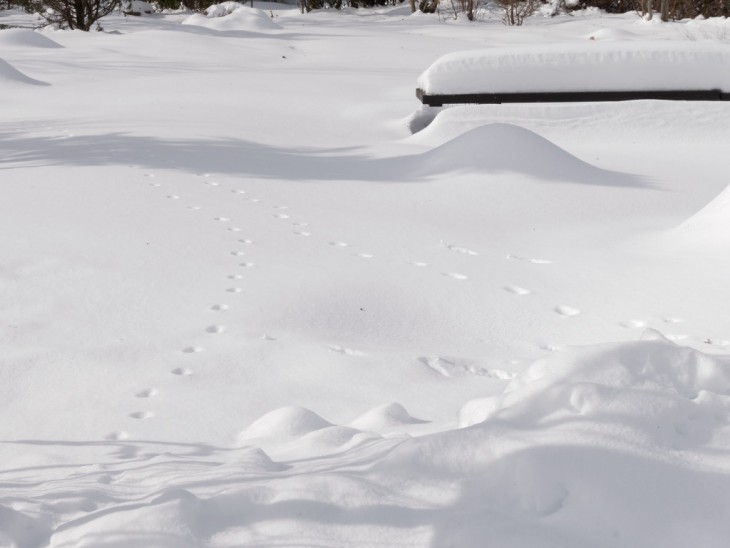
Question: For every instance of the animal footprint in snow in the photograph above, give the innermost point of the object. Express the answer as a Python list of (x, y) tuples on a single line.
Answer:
[(155, 185), (234, 229), (339, 244), (147, 393), (234, 290), (456, 276), (235, 277), (670, 319), (517, 290), (193, 349), (458, 249), (246, 241), (219, 307), (567, 311), (238, 253), (302, 233), (142, 415), (300, 224), (247, 265), (633, 324), (418, 264), (117, 436), (215, 329), (194, 208), (525, 259), (363, 255), (238, 191), (222, 219), (345, 351), (173, 197), (281, 216), (181, 371), (551, 347)]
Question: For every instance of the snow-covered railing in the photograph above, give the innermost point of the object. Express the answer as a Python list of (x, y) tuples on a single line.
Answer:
[(616, 71)]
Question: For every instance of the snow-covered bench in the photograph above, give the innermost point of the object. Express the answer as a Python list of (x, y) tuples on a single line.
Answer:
[(591, 71)]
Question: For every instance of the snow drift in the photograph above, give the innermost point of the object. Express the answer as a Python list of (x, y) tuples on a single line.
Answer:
[(10, 75), (23, 38), (232, 16)]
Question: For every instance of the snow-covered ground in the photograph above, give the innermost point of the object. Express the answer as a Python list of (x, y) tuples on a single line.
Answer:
[(241, 304)]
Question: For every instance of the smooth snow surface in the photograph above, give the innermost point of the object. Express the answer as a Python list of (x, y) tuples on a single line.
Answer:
[(241, 304), (589, 66)]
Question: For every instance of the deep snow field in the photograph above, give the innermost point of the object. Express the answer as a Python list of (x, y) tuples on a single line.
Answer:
[(242, 304)]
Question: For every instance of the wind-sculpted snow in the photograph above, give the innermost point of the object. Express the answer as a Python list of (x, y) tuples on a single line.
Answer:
[(23, 38), (510, 148), (230, 16), (709, 227), (9, 75), (573, 453)]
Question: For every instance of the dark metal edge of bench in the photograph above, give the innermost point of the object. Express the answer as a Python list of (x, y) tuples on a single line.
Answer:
[(571, 97)]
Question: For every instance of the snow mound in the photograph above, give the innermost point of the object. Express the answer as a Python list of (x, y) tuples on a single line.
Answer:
[(611, 34), (653, 389), (255, 460), (177, 510), (9, 75), (24, 38), (606, 441), (385, 417), (325, 440), (233, 16), (591, 66), (710, 226), (506, 147), (289, 422)]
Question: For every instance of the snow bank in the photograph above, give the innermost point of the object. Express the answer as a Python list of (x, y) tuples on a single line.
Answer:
[(647, 383), (10, 75), (614, 445), (232, 16), (23, 38), (710, 226), (592, 66), (507, 147)]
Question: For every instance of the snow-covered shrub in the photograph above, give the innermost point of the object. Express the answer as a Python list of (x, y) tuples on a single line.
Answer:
[(71, 14), (514, 12)]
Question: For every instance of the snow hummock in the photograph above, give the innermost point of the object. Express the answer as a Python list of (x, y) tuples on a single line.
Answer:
[(709, 227), (286, 423), (24, 38), (590, 66), (385, 417), (10, 75), (233, 16), (507, 147)]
